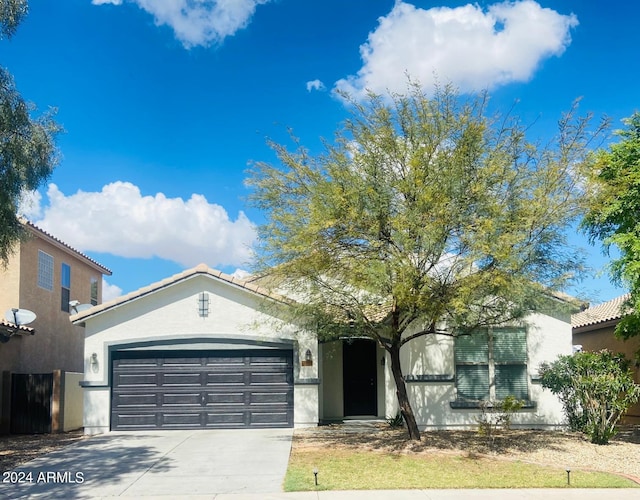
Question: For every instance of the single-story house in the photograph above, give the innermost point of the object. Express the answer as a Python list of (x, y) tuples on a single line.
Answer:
[(203, 349)]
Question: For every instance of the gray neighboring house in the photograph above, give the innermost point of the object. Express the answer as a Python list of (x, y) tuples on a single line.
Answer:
[(203, 349)]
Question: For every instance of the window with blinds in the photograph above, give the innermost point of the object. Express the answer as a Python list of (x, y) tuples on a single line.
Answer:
[(492, 364)]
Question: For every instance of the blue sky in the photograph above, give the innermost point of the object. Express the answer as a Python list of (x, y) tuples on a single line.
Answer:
[(165, 103)]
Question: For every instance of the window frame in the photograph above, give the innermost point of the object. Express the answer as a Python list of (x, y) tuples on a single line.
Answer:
[(65, 287), (494, 362), (45, 270), (93, 288)]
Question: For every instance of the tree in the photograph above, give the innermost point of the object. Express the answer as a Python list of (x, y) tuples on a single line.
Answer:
[(614, 214), (423, 217), (27, 150), (595, 389)]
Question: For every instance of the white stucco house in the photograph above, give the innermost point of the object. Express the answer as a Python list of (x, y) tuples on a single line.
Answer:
[(201, 350)]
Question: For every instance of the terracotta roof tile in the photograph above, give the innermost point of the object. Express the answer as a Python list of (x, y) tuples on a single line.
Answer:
[(199, 269), (607, 311), (7, 325), (41, 231)]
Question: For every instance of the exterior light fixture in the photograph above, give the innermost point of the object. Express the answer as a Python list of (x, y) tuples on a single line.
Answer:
[(94, 363), (308, 358), (315, 475), (569, 476)]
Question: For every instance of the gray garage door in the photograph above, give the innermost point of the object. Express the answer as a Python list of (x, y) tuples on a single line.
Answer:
[(202, 389)]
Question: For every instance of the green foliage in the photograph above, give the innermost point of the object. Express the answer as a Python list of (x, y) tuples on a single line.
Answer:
[(27, 150), (595, 389), (425, 204), (423, 211), (495, 415), (395, 421), (614, 213), (11, 14)]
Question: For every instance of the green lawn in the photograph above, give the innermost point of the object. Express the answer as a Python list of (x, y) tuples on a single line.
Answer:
[(360, 470)]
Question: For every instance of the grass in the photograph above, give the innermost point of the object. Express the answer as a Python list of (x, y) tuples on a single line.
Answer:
[(369, 470)]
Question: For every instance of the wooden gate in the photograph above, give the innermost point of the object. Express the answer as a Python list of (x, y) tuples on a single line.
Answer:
[(31, 396)]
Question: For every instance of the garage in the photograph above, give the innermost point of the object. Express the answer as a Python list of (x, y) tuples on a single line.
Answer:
[(198, 350), (202, 389)]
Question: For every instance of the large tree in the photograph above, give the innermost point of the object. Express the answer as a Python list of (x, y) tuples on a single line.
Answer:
[(27, 149), (424, 216), (614, 215)]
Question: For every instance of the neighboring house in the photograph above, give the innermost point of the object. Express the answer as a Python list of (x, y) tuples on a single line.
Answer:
[(203, 349), (44, 275), (593, 330)]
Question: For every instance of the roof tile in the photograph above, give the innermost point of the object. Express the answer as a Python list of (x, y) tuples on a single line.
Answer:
[(199, 269), (607, 311)]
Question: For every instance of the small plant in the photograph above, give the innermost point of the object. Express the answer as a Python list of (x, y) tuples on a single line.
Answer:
[(496, 415), (396, 421)]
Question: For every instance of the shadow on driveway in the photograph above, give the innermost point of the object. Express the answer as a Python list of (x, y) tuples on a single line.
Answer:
[(203, 462)]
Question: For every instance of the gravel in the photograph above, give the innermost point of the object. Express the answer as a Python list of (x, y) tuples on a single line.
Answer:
[(16, 449), (552, 448)]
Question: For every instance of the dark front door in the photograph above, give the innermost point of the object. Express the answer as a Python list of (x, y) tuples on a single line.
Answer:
[(359, 371)]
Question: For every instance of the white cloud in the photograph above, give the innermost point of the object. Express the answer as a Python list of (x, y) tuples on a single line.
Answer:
[(109, 291), (472, 48), (241, 274), (29, 205), (315, 85), (120, 221), (198, 22)]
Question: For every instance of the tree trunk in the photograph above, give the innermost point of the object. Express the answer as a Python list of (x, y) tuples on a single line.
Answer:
[(401, 393)]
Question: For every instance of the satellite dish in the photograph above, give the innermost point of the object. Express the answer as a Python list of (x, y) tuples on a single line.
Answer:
[(82, 307), (19, 317)]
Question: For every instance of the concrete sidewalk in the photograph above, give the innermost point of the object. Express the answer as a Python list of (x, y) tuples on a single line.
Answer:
[(501, 494)]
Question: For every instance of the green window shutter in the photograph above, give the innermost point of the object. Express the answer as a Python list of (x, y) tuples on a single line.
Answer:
[(472, 348), (510, 345), (472, 381), (511, 380)]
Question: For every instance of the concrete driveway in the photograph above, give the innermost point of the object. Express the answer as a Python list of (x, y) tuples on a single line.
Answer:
[(168, 463)]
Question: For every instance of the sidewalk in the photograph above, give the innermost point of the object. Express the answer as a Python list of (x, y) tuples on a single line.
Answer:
[(484, 494)]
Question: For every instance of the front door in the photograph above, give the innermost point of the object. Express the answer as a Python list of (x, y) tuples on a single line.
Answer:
[(359, 369)]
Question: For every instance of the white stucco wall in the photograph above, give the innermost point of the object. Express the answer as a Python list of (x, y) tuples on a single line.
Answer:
[(168, 318), (331, 381), (547, 338)]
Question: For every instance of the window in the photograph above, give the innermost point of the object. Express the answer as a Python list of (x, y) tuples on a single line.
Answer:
[(65, 282), (94, 292), (203, 304), (45, 270), (492, 365)]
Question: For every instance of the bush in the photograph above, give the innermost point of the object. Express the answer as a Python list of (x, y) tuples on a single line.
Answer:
[(497, 414), (595, 389), (396, 421)]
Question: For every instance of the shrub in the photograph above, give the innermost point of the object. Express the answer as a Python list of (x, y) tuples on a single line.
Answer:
[(497, 414), (595, 389), (396, 421)]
